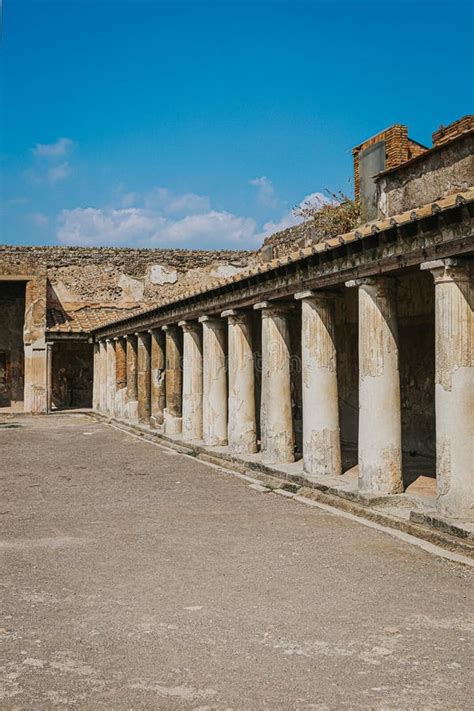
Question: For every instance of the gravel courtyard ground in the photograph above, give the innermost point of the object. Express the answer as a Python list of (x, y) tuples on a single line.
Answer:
[(133, 577)]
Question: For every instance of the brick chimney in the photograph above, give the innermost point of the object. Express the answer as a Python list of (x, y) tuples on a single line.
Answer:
[(386, 149)]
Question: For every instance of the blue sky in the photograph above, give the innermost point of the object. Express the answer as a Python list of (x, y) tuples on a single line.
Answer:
[(202, 124)]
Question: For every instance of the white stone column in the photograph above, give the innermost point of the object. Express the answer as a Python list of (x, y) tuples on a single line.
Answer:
[(157, 364), (173, 381), (454, 386), (131, 411), (321, 433), (120, 377), (192, 380), (103, 376), (380, 435), (242, 426), (276, 417), (214, 381), (110, 397), (96, 378), (143, 377)]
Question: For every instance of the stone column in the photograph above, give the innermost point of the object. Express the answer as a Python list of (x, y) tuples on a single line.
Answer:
[(380, 436), (120, 377), (454, 386), (276, 417), (132, 382), (157, 377), (143, 377), (192, 380), (173, 381), (242, 427), (321, 433), (102, 376), (110, 398), (214, 403), (96, 378)]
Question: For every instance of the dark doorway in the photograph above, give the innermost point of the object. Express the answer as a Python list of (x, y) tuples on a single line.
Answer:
[(12, 359), (72, 373)]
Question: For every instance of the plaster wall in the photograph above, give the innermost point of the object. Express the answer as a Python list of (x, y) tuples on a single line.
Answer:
[(12, 366)]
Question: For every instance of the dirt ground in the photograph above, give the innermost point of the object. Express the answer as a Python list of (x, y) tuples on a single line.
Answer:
[(133, 577)]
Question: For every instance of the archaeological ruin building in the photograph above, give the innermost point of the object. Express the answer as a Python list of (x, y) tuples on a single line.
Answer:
[(348, 358)]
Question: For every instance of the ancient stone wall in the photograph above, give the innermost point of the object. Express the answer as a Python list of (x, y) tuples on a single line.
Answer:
[(439, 172), (72, 375), (12, 309), (120, 277)]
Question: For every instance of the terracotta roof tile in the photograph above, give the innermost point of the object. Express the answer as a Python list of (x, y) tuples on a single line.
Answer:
[(361, 232)]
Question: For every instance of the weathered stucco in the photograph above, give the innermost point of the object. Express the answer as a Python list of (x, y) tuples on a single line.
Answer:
[(435, 174)]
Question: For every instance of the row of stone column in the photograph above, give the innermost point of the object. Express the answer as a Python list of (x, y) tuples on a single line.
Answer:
[(207, 394)]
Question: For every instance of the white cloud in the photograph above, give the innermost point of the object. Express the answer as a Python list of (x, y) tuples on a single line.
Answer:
[(147, 228), (58, 173), (53, 150), (266, 195), (166, 219), (166, 200), (39, 219)]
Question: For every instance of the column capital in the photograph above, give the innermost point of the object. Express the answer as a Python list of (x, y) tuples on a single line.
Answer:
[(189, 326), (448, 270), (236, 316), (213, 319), (275, 307), (233, 312), (142, 335), (380, 281), (169, 327), (317, 294)]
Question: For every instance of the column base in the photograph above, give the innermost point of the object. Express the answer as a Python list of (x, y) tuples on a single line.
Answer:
[(172, 424), (131, 410), (215, 441), (156, 423), (120, 403)]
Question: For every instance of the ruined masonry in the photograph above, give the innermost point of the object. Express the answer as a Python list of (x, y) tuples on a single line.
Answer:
[(352, 356)]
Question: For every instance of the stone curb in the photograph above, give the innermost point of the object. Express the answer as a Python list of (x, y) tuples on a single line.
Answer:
[(423, 526)]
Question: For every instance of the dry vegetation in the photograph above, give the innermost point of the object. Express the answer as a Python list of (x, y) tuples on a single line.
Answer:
[(339, 215)]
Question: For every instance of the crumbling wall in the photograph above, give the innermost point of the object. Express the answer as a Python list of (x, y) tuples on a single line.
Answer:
[(416, 333), (347, 349), (12, 313), (72, 371), (443, 170), (118, 277)]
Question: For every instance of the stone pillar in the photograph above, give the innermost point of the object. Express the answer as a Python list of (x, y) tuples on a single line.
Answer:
[(143, 377), (96, 378), (132, 382), (380, 436), (102, 376), (276, 417), (157, 377), (192, 380), (110, 396), (173, 381), (454, 386), (321, 433), (242, 427), (214, 403), (120, 377)]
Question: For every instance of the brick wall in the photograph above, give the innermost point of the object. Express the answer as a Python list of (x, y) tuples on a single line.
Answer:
[(398, 149), (447, 133)]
